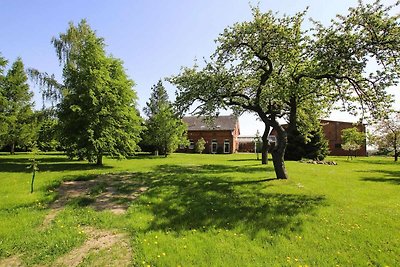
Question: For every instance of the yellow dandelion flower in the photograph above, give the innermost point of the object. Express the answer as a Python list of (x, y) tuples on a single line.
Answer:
[(163, 254)]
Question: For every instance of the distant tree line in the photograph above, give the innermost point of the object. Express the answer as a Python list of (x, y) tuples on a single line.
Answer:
[(269, 66), (94, 110)]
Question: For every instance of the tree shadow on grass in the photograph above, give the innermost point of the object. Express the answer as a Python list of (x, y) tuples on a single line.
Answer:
[(189, 199), (52, 164), (392, 177)]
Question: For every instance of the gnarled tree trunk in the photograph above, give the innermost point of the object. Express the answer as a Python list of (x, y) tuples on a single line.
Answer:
[(265, 145), (278, 152)]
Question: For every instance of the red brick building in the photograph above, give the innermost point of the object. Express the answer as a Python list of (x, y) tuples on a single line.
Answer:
[(333, 133), (221, 136)]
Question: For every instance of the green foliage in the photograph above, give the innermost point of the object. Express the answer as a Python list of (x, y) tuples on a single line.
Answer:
[(352, 139), (200, 145), (48, 136), (165, 131), (271, 66), (314, 146), (17, 119), (97, 114), (386, 135)]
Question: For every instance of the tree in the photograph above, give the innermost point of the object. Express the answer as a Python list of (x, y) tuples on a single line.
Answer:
[(17, 115), (352, 139), (97, 110), (387, 135), (3, 126), (200, 145), (48, 135), (257, 142), (317, 147), (271, 67), (165, 131)]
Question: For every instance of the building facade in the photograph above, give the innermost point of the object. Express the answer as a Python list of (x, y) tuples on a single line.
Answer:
[(221, 135), (333, 133)]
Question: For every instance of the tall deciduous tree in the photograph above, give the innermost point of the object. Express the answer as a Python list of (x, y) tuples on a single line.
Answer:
[(16, 109), (272, 67), (165, 130), (97, 110), (387, 135)]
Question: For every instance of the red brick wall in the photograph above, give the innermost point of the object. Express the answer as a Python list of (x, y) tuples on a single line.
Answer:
[(218, 135), (333, 133), (246, 147)]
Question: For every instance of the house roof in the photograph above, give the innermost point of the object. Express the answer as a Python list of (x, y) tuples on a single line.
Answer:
[(220, 123)]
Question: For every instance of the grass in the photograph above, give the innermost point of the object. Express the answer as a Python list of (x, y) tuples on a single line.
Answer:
[(211, 210)]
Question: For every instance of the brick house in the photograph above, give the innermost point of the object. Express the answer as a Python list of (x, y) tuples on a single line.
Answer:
[(333, 133), (221, 136)]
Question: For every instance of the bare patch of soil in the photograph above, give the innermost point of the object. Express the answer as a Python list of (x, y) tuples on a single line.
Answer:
[(112, 192), (13, 261), (98, 240)]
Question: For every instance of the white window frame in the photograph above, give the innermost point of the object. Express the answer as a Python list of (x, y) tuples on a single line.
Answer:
[(227, 142), (214, 142)]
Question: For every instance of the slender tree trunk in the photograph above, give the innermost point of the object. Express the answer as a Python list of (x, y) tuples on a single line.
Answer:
[(396, 152), (12, 151), (265, 145), (278, 152), (33, 179), (99, 161)]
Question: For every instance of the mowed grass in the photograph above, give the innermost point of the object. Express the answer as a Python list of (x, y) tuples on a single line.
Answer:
[(212, 210)]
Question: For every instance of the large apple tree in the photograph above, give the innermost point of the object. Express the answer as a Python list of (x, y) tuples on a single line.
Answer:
[(273, 67)]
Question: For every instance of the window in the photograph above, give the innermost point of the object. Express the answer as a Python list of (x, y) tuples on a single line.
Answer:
[(214, 146), (227, 147), (191, 145)]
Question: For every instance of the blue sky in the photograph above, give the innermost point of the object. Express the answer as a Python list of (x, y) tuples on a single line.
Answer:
[(153, 38)]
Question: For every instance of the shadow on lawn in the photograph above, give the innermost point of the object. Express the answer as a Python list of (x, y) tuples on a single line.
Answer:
[(53, 164), (392, 177), (196, 198)]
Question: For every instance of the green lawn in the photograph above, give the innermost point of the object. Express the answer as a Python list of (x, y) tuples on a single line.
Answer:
[(208, 210)]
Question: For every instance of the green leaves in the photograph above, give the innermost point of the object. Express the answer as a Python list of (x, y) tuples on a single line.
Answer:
[(98, 112), (165, 130), (17, 121)]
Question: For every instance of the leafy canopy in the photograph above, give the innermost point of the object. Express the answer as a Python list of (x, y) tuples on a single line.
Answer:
[(97, 113), (17, 119), (271, 66), (165, 130)]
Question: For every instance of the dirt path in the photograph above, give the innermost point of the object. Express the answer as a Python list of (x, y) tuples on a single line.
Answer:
[(99, 240), (111, 192), (13, 261)]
